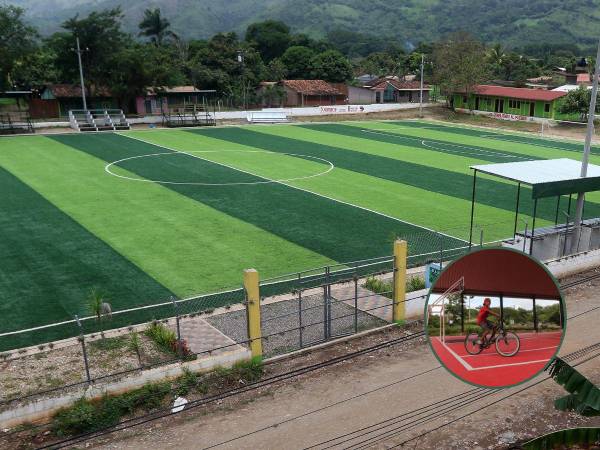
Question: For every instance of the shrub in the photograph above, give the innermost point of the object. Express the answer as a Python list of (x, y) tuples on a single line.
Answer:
[(86, 416)]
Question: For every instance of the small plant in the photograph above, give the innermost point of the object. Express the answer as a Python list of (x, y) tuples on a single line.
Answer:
[(187, 382), (99, 307), (415, 284), (41, 347), (135, 345), (162, 336)]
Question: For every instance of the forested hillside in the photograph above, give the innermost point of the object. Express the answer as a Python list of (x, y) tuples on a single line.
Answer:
[(514, 23)]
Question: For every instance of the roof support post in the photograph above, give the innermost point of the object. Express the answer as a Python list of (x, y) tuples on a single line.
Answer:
[(517, 208), (557, 208), (586, 156), (535, 202), (472, 208)]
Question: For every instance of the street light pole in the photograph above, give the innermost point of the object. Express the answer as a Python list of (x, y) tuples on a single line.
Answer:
[(421, 87), (81, 75), (240, 58), (586, 156)]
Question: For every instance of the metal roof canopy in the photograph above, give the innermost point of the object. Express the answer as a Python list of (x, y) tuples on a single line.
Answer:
[(547, 177)]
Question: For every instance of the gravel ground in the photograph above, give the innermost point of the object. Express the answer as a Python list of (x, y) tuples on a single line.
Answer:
[(55, 368), (280, 323)]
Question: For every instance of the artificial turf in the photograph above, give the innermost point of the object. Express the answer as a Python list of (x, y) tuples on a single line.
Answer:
[(71, 225)]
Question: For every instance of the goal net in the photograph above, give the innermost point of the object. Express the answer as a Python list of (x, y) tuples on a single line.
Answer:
[(443, 306)]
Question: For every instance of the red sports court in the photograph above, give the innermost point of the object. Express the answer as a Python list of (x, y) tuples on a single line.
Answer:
[(530, 318)]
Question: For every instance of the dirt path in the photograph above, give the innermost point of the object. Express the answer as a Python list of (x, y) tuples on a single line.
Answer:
[(337, 401)]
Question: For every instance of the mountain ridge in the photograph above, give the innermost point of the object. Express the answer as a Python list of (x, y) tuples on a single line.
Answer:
[(513, 23)]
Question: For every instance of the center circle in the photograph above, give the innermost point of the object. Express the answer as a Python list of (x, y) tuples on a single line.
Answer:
[(108, 168)]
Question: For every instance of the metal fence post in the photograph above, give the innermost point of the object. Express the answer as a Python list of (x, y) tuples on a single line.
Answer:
[(300, 317), (325, 315), (441, 250), (85, 358), (399, 300), (179, 349), (251, 286), (355, 303)]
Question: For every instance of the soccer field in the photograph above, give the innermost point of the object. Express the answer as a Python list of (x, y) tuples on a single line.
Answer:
[(143, 215)]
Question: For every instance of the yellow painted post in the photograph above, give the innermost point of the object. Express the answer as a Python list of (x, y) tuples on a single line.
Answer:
[(253, 311), (399, 305)]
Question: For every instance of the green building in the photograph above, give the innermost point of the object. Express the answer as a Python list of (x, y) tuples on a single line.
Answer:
[(510, 103)]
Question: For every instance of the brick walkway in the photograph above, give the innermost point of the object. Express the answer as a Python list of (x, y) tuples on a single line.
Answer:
[(202, 336)]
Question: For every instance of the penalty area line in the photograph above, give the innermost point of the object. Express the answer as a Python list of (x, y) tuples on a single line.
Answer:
[(294, 187)]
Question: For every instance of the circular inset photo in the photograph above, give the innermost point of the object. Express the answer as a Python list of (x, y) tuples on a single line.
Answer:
[(495, 317)]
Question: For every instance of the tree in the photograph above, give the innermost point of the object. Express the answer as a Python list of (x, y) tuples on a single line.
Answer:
[(100, 37), (331, 66), (298, 62), (154, 26), (271, 38), (577, 101), (459, 63), (17, 42)]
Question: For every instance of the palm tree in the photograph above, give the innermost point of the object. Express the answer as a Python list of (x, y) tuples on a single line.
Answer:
[(154, 26)]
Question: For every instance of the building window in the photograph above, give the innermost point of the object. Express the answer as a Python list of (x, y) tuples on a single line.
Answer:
[(514, 104), (546, 107)]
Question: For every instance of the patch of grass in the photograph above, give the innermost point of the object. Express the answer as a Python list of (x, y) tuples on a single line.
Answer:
[(163, 337), (386, 288), (109, 344), (86, 416)]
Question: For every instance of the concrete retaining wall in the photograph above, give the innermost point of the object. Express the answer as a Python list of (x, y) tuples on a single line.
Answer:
[(42, 410)]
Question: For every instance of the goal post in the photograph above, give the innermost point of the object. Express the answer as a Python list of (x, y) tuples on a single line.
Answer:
[(438, 306)]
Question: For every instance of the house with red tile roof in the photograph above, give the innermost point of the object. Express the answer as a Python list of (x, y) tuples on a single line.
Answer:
[(64, 97), (311, 93), (509, 102), (395, 90)]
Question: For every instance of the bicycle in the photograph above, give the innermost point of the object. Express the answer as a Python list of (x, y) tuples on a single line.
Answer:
[(507, 343)]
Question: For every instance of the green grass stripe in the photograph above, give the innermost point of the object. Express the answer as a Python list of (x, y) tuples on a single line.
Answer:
[(49, 264), (338, 231), (540, 142), (489, 192), (185, 245), (531, 146), (404, 202), (421, 143)]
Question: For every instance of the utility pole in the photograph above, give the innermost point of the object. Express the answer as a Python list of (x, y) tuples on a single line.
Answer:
[(240, 58), (421, 87), (586, 156), (81, 75)]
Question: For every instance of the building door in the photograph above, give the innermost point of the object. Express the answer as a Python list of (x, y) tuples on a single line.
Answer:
[(532, 109), (476, 103), (499, 105), (148, 106)]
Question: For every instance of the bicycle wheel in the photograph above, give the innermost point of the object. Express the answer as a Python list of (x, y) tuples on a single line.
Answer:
[(471, 344), (508, 344)]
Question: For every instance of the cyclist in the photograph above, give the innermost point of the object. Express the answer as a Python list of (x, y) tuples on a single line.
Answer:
[(483, 322)]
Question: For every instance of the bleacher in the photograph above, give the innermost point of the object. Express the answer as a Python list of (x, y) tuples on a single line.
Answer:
[(15, 123), (98, 120), (267, 117), (190, 115)]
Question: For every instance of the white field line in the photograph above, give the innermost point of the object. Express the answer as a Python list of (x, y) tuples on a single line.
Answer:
[(424, 143), (470, 368), (512, 364), (520, 351), (107, 169), (297, 188)]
